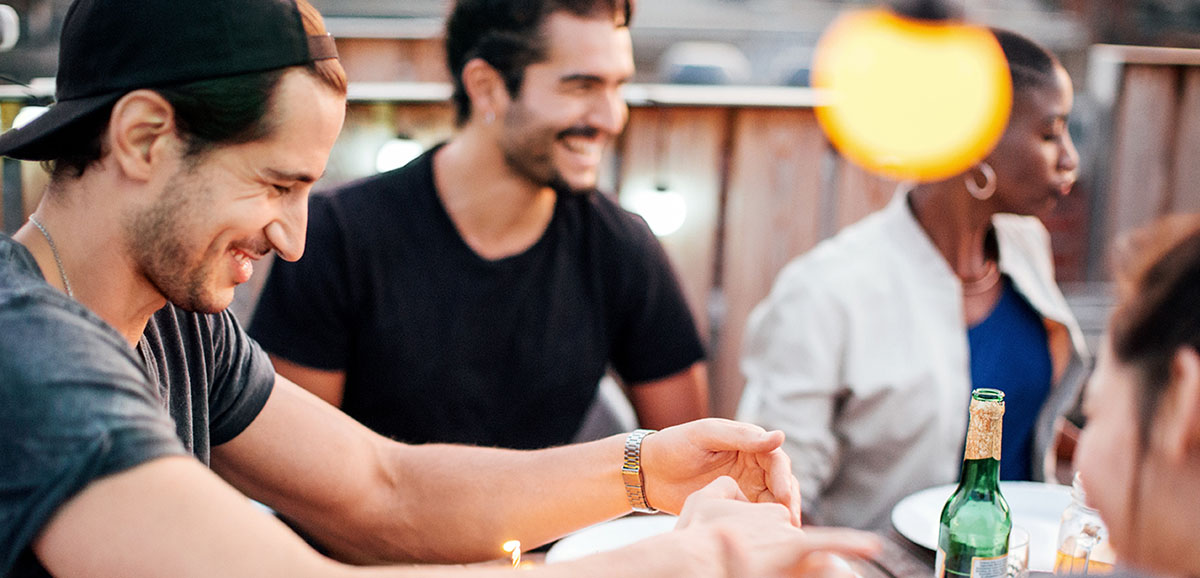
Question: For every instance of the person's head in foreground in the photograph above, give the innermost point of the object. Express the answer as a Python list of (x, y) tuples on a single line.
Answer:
[(1035, 162), (541, 80), (1139, 455), (184, 140)]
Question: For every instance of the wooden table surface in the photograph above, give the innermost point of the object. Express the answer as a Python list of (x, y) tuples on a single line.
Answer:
[(900, 558)]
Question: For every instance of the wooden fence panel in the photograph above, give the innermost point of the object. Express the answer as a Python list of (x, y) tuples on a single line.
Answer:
[(681, 148), (1142, 156), (773, 213), (369, 125), (393, 60), (859, 192), (1186, 179)]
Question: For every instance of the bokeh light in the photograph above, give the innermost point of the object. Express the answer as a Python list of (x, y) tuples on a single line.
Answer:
[(911, 99)]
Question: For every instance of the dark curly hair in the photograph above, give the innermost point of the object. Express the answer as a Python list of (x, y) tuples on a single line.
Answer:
[(507, 34)]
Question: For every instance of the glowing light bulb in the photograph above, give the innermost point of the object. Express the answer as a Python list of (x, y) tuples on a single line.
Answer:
[(10, 27), (665, 210), (396, 153)]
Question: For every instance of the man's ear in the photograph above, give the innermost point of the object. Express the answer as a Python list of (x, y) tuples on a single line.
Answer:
[(141, 133), (485, 87), (1179, 412)]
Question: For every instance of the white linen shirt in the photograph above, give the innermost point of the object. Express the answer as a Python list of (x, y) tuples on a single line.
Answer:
[(860, 355)]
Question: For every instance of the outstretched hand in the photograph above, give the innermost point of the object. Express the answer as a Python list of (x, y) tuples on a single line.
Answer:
[(759, 539), (680, 460)]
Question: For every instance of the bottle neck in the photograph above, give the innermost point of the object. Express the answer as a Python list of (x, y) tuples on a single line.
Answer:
[(981, 474), (981, 459)]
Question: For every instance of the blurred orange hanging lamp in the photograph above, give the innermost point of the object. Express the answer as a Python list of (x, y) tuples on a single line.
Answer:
[(911, 97)]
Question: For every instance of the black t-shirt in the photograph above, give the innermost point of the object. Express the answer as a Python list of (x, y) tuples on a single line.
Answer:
[(441, 345), (77, 403)]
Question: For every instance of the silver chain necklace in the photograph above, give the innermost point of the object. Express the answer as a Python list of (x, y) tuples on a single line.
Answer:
[(57, 260)]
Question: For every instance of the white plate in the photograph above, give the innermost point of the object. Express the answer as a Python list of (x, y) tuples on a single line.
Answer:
[(608, 536), (1036, 506)]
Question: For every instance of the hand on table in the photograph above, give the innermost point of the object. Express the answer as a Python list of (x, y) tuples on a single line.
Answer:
[(680, 460), (758, 539)]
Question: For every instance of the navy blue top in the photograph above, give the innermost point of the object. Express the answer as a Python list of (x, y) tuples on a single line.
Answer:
[(1010, 352)]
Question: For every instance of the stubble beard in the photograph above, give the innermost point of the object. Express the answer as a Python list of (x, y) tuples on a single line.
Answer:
[(159, 250), (527, 156)]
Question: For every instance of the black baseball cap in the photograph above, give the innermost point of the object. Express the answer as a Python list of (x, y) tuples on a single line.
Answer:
[(110, 48)]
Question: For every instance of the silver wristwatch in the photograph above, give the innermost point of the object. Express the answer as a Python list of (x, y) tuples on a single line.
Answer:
[(631, 472)]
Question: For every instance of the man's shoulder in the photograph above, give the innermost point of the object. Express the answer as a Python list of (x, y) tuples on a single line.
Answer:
[(49, 337), (414, 178), (603, 215), (18, 270), (27, 300), (377, 208), (603, 204)]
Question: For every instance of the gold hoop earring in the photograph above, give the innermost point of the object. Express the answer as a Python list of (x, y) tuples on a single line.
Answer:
[(988, 189)]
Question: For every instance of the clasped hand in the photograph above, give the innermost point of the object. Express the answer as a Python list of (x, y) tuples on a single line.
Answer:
[(680, 460), (758, 540)]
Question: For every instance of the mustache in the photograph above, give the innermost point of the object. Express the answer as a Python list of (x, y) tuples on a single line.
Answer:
[(583, 131), (257, 248)]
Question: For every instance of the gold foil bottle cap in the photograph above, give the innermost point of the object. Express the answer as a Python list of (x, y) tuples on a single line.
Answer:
[(985, 425)]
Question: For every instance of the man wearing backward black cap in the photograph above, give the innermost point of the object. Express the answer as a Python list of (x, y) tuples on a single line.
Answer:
[(185, 140)]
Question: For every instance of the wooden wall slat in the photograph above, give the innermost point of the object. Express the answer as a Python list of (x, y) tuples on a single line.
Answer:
[(369, 125), (773, 213), (393, 60), (1186, 196), (859, 192), (681, 148), (1141, 166)]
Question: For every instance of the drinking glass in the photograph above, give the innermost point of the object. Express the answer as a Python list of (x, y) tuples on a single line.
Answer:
[(1018, 553)]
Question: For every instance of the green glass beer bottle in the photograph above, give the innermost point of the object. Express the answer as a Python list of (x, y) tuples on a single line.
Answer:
[(975, 522)]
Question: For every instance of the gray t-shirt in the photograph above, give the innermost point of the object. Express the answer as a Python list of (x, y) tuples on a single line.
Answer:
[(77, 403)]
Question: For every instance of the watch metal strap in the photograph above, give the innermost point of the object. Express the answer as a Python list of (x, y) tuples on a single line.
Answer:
[(631, 472)]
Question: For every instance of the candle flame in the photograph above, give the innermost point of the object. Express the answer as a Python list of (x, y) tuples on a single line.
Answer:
[(513, 547)]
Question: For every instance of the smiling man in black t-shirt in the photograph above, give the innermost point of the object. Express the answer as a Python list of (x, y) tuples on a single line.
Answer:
[(480, 293)]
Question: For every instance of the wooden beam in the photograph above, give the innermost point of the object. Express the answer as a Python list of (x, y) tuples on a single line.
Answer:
[(1142, 158), (773, 214)]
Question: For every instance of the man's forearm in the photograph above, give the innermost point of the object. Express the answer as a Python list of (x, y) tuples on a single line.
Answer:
[(172, 517), (460, 504), (368, 499), (447, 503)]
